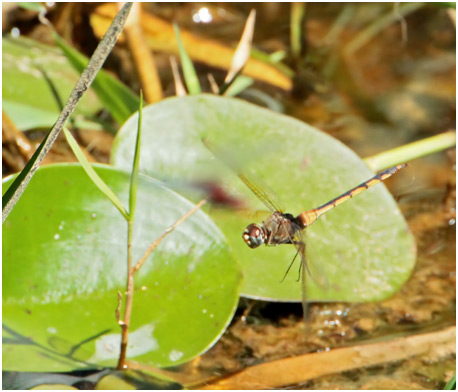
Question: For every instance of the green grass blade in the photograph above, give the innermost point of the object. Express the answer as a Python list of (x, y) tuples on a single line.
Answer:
[(272, 60), (451, 385), (98, 182), (190, 76), (411, 151), (135, 166), (32, 6), (117, 98), (297, 20), (240, 83), (278, 56), (19, 179)]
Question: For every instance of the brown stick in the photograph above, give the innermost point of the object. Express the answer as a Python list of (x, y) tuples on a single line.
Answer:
[(124, 324), (180, 91), (143, 56), (11, 133), (299, 369), (166, 232), (118, 309)]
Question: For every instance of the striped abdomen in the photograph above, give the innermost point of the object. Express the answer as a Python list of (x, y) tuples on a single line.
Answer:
[(308, 217)]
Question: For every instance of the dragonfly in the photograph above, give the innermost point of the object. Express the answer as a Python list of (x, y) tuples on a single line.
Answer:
[(285, 228)]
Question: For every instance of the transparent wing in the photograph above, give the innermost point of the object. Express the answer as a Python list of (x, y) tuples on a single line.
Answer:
[(253, 215), (304, 285), (308, 269), (312, 263), (269, 199)]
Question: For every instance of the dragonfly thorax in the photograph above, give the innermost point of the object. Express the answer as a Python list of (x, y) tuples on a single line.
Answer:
[(254, 235)]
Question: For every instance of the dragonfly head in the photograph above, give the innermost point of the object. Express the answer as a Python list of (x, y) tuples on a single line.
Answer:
[(254, 235)]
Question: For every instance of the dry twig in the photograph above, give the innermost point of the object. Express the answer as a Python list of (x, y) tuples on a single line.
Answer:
[(143, 56), (167, 231), (180, 90), (299, 369)]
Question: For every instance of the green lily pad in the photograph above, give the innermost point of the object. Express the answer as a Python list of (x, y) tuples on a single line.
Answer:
[(27, 96), (364, 246), (64, 259)]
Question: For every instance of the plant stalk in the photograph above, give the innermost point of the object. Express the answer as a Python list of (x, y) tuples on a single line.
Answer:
[(130, 279), (296, 28), (411, 151), (129, 300), (133, 189)]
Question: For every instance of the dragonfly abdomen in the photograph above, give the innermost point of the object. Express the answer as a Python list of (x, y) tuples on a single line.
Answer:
[(306, 218)]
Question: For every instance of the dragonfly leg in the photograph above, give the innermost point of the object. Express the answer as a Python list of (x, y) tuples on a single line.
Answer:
[(299, 273), (292, 262), (269, 238), (301, 249)]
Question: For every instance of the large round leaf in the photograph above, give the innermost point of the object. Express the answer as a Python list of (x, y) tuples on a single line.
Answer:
[(364, 246), (64, 259)]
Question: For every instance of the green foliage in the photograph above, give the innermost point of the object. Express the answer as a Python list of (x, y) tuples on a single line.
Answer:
[(444, 4), (411, 151), (364, 246), (239, 84), (189, 73), (117, 98), (64, 259), (97, 181), (31, 6), (27, 96), (135, 167), (451, 385), (19, 178), (296, 28)]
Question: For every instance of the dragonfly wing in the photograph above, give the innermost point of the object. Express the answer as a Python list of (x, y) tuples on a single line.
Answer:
[(304, 274), (309, 269), (312, 263), (304, 285), (268, 198), (253, 215)]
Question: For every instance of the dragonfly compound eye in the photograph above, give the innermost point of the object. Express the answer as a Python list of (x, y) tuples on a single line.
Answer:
[(253, 235)]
